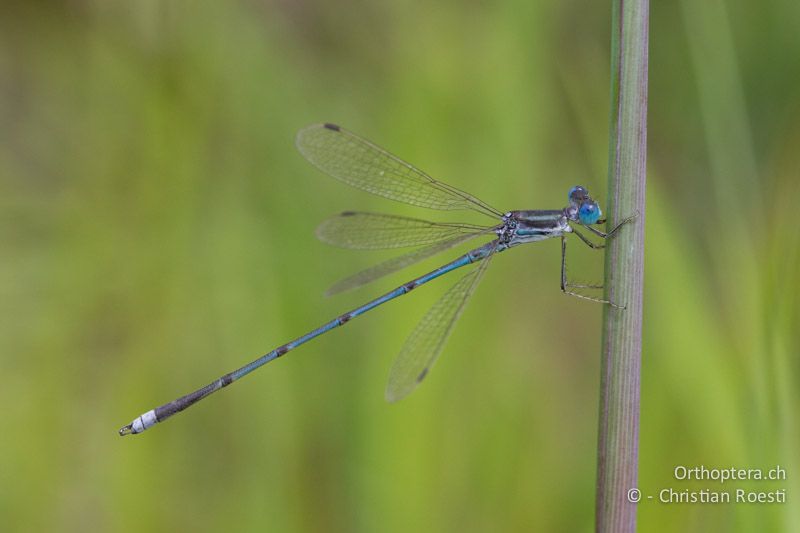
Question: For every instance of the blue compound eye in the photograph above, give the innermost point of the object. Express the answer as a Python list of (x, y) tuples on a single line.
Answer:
[(589, 213), (577, 194)]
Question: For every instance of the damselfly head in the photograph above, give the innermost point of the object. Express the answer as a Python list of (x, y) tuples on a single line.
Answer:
[(581, 206)]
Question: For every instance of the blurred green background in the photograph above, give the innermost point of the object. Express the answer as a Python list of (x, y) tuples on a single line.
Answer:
[(157, 231)]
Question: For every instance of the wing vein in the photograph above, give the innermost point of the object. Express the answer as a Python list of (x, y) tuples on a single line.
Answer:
[(364, 165), (424, 345)]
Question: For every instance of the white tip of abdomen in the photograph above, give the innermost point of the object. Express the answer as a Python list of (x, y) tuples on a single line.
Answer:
[(139, 424)]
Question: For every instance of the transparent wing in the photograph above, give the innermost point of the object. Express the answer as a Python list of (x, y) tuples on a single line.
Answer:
[(357, 162), (427, 340), (397, 263), (373, 231)]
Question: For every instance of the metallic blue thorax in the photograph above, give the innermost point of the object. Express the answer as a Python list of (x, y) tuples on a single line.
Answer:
[(534, 225)]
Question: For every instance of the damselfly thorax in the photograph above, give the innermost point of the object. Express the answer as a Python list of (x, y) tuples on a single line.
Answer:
[(520, 227)]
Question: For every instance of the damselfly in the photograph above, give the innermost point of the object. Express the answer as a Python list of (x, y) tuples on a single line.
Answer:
[(359, 163)]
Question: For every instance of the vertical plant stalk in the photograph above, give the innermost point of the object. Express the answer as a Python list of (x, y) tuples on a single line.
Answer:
[(618, 436)]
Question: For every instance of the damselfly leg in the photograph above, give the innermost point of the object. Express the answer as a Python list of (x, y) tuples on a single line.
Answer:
[(565, 284), (611, 233)]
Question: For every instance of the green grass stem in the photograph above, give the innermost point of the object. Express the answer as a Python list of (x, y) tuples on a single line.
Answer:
[(618, 439)]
